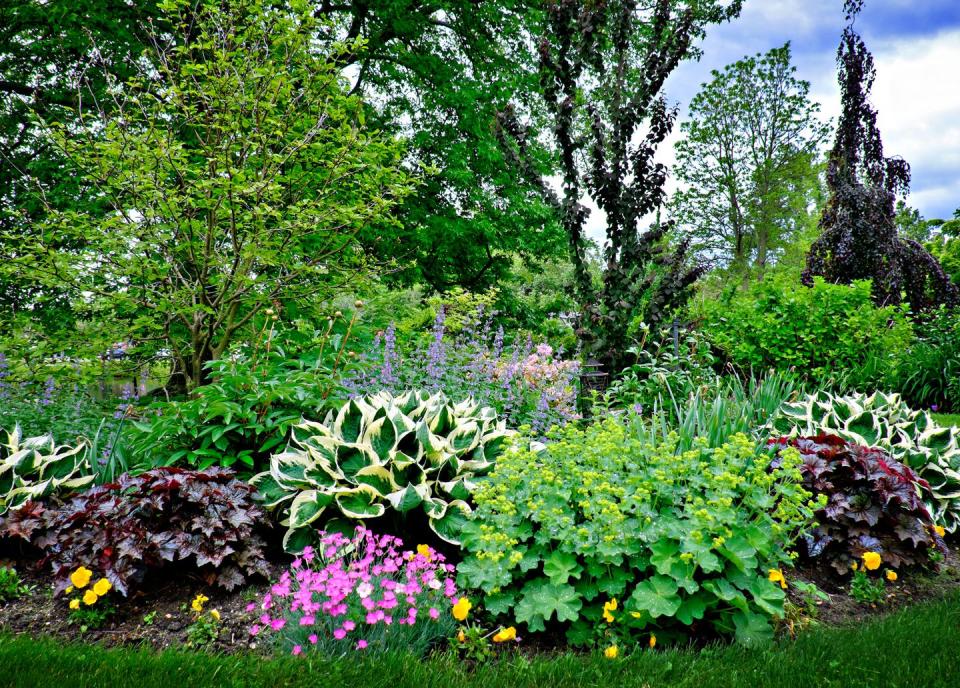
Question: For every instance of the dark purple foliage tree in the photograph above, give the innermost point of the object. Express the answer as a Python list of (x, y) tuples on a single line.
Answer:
[(859, 238), (602, 69)]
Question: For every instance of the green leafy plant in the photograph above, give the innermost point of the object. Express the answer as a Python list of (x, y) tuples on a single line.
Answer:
[(824, 331), (610, 532), (11, 586), (407, 452), (35, 467), (865, 589), (885, 421), (252, 399), (205, 629), (660, 372), (927, 373)]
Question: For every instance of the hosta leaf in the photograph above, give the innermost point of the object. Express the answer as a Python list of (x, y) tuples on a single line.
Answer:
[(449, 527), (409, 497), (307, 507), (379, 478), (361, 502), (381, 436)]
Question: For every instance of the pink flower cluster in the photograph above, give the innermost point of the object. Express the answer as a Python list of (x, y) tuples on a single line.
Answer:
[(546, 372), (356, 592)]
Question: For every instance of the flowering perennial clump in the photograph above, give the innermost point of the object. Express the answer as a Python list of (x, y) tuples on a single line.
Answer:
[(527, 384), (85, 595), (364, 593), (614, 533)]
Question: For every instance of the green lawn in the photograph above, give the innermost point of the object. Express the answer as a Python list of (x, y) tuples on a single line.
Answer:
[(915, 648), (947, 418)]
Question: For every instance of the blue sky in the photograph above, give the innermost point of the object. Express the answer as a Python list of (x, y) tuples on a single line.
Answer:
[(916, 46)]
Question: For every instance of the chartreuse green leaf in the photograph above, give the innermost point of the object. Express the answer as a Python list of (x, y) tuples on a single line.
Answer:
[(657, 595), (561, 566)]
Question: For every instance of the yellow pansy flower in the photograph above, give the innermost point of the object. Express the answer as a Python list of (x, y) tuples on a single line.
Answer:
[(611, 652), (461, 609), (609, 607), (90, 598), (197, 604), (424, 551), (891, 575), (871, 560), (74, 603), (505, 634), (215, 614), (940, 530), (69, 589), (461, 636), (81, 577), (776, 576), (653, 641), (102, 587)]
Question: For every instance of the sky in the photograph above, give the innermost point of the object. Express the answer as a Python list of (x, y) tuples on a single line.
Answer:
[(916, 48)]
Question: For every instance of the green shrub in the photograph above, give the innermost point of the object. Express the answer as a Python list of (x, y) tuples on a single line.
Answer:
[(246, 410), (35, 467), (885, 421), (927, 373), (826, 331), (608, 523), (412, 451), (661, 374)]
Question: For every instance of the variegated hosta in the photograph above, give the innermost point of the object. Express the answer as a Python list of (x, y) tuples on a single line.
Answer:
[(406, 452), (885, 421), (35, 467)]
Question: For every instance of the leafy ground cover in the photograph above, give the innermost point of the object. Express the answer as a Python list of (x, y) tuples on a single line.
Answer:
[(947, 418), (913, 647)]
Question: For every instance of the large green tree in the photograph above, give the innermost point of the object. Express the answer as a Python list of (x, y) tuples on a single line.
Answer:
[(45, 50), (436, 72), (748, 161), (237, 173)]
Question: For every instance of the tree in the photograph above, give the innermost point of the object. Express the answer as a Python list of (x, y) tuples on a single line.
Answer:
[(602, 69), (238, 175), (45, 49), (859, 237), (749, 161), (435, 73)]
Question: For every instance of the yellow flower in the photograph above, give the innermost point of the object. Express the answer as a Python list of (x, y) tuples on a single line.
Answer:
[(461, 636), (505, 634), (461, 609), (636, 615), (215, 614), (69, 589), (891, 575), (424, 551), (90, 598), (607, 608), (871, 560), (939, 530), (74, 603), (197, 604), (854, 566), (776, 576), (611, 652), (81, 577), (102, 587), (653, 641)]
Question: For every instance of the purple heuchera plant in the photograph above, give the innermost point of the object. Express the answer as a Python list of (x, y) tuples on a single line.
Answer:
[(360, 593), (527, 384)]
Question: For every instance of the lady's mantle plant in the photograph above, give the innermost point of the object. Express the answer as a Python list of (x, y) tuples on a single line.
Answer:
[(360, 594), (611, 533)]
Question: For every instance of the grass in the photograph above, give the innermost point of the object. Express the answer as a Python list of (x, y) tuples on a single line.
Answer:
[(947, 418), (918, 646)]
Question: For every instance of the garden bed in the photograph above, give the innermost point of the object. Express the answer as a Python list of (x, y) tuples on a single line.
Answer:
[(916, 646), (158, 615)]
